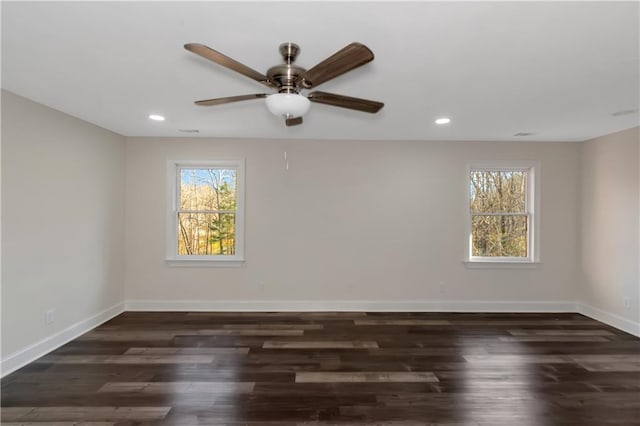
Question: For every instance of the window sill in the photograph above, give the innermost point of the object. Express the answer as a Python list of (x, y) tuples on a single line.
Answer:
[(205, 263), (501, 264)]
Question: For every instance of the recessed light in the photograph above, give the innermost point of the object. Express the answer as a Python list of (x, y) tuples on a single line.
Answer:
[(156, 117), (443, 120), (189, 130), (524, 134)]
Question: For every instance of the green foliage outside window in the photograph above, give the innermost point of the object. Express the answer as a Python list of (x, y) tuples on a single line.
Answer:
[(207, 213)]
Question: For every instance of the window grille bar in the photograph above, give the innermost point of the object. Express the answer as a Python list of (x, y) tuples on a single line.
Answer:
[(499, 214), (207, 211)]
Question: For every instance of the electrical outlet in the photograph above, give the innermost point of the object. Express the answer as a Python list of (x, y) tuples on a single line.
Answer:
[(442, 286), (627, 302), (49, 316)]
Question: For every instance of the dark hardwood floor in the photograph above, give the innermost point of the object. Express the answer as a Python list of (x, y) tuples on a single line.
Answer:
[(333, 368)]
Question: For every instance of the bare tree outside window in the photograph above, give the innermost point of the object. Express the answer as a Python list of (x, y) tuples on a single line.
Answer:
[(499, 216)]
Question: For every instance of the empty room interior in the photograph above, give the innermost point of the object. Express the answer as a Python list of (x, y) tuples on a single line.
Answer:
[(331, 213)]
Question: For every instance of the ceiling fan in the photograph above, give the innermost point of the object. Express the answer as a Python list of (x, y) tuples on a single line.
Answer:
[(289, 79)]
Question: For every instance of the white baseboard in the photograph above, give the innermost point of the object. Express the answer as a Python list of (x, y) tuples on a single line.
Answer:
[(629, 326), (20, 358), (383, 306), (347, 306)]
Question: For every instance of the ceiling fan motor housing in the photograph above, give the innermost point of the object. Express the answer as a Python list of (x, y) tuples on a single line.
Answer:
[(285, 75)]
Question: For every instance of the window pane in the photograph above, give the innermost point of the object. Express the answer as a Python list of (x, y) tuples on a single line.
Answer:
[(498, 191), (206, 234), (496, 236), (207, 189)]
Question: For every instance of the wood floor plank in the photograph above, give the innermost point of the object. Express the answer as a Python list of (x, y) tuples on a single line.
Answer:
[(15, 413), (333, 368), (518, 359), (618, 366), (510, 323), (565, 339), (73, 413), (325, 344), (120, 335), (268, 326), (187, 351), (278, 358), (402, 322), (127, 359), (367, 377), (126, 336), (611, 358), (250, 332), (179, 387), (72, 423), (560, 333), (389, 423)]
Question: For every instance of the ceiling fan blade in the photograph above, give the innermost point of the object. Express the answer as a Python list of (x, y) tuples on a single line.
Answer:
[(350, 57), (221, 59), (220, 101), (342, 101), (293, 121)]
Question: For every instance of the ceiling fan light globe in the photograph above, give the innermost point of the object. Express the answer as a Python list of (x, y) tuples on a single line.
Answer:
[(287, 104)]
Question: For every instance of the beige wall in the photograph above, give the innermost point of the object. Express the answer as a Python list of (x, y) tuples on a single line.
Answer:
[(609, 228), (349, 221), (62, 221), (374, 221)]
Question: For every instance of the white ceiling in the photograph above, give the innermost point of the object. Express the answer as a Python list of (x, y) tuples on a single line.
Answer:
[(557, 69)]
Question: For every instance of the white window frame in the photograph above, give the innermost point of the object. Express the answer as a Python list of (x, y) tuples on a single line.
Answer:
[(173, 182), (532, 209)]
